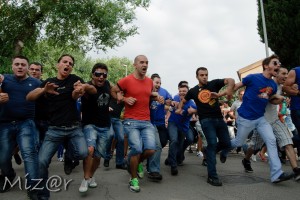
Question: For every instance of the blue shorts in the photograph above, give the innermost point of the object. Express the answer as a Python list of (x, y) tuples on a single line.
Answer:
[(96, 137), (141, 135)]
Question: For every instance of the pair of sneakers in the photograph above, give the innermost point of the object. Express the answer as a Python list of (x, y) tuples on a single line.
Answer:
[(140, 169), (86, 183), (134, 182)]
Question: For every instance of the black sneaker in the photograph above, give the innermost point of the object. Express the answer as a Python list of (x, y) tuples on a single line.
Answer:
[(222, 158), (167, 162), (68, 167), (238, 150), (284, 177), (247, 165), (174, 171), (5, 183), (121, 167), (297, 173), (32, 195), (106, 163), (18, 159), (155, 176), (204, 162), (75, 163), (214, 181)]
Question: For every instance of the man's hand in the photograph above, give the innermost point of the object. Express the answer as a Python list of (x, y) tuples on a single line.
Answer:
[(3, 97), (214, 95), (160, 99), (129, 100), (79, 88), (179, 111), (191, 110), (51, 88)]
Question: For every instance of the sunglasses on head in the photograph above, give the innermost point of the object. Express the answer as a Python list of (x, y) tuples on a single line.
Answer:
[(275, 63), (98, 74)]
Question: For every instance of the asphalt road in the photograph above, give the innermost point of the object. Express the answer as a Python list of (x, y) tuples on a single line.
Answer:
[(190, 183)]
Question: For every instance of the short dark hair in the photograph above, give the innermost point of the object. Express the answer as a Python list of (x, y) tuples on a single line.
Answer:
[(21, 57), (155, 75), (182, 83), (99, 66), (267, 60), (37, 63), (184, 86), (201, 68), (69, 55)]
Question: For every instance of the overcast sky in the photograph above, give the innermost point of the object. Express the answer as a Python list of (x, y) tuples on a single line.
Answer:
[(178, 36)]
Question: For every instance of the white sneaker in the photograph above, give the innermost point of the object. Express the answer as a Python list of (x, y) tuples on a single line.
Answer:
[(84, 186), (200, 154), (266, 155), (253, 158), (92, 183), (61, 159)]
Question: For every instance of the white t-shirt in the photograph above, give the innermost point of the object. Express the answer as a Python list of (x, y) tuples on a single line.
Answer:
[(234, 107), (271, 113)]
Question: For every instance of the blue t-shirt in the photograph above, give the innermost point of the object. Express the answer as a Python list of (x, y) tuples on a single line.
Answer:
[(295, 100), (157, 110), (258, 91), (182, 121), (18, 108)]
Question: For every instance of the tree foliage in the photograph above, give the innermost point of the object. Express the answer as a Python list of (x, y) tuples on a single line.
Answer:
[(48, 56), (80, 24), (283, 29)]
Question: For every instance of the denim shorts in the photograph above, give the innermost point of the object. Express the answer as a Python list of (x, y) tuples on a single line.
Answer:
[(96, 137), (141, 135)]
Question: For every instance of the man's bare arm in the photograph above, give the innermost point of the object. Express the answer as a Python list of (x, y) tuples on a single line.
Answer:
[(289, 85), (36, 93)]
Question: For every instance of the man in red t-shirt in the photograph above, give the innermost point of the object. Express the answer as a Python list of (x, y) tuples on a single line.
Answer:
[(137, 91)]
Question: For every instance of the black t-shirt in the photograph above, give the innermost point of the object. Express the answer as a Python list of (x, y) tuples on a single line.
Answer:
[(206, 107), (62, 107), (95, 107), (117, 108)]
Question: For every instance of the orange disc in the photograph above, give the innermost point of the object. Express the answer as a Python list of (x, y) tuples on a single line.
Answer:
[(204, 96)]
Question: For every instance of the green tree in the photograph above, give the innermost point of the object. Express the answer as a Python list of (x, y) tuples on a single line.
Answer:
[(117, 68), (48, 56), (80, 24), (283, 29)]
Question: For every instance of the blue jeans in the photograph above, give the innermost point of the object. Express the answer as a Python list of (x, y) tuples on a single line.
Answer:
[(186, 139), (295, 115), (117, 130), (24, 134), (217, 137), (77, 149), (163, 135), (140, 136), (97, 137), (110, 137), (176, 139), (153, 163), (266, 133)]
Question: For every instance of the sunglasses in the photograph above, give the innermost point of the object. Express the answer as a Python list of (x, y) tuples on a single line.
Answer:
[(98, 74), (275, 63)]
